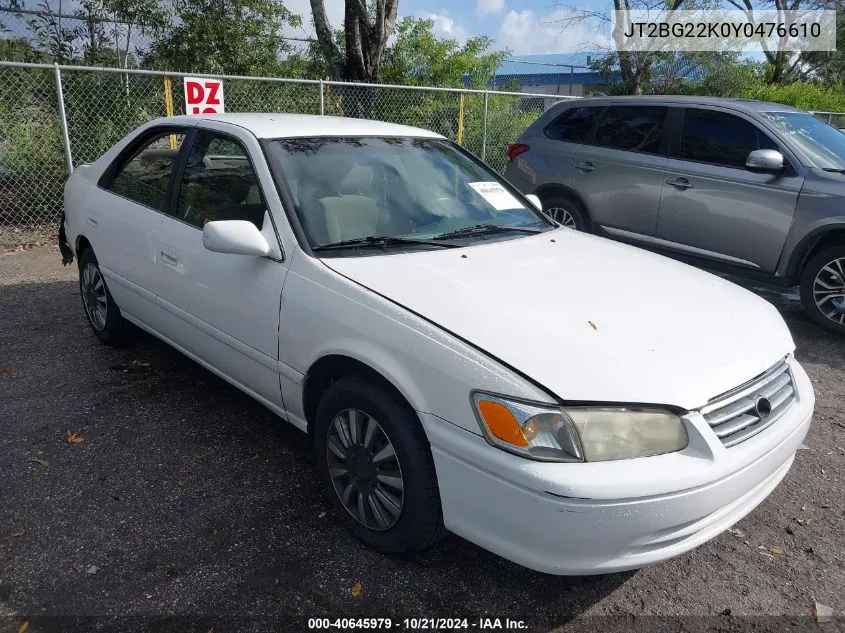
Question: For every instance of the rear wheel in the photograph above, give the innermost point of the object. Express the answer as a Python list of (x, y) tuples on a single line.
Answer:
[(376, 467), (567, 212), (823, 288), (103, 314)]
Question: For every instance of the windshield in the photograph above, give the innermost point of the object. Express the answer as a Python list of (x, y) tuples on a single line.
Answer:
[(358, 189), (822, 143)]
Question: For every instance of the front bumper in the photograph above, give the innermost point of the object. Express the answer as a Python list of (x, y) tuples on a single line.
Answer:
[(578, 519)]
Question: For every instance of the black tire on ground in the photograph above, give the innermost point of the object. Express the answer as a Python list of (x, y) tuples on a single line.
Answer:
[(115, 330), (420, 522), (826, 269), (558, 207)]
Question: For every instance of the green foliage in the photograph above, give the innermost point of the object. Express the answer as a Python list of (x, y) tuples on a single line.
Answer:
[(801, 94), (729, 75), (31, 156), (417, 57), (241, 37)]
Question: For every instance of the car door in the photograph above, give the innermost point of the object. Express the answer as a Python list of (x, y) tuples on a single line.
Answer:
[(223, 308), (712, 205), (552, 149), (619, 172), (123, 214)]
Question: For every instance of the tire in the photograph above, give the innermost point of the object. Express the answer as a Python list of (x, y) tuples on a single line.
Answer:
[(418, 522), (100, 309), (568, 212), (823, 281)]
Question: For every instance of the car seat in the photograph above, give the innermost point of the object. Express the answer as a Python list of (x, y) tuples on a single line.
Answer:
[(354, 212)]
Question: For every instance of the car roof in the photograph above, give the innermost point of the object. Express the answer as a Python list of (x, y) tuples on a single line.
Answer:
[(283, 125), (748, 105)]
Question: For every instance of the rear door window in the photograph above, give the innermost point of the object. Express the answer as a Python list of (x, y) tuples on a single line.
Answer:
[(632, 128), (145, 177), (573, 124)]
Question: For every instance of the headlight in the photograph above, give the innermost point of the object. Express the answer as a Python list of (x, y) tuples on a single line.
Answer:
[(574, 434)]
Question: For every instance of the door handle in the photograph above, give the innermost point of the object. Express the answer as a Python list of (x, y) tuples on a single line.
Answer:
[(680, 183), (169, 258), (92, 221), (585, 166)]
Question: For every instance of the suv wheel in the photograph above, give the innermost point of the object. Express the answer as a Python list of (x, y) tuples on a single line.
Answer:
[(376, 467), (567, 212), (823, 289)]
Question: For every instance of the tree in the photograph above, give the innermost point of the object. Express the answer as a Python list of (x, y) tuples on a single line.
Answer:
[(635, 68), (366, 30), (148, 17), (828, 67), (242, 37), (418, 57)]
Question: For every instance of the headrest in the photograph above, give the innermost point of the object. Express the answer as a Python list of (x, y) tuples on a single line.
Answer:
[(357, 179)]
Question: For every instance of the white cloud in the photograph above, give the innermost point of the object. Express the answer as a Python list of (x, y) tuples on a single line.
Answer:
[(489, 7), (302, 8), (524, 32), (446, 28)]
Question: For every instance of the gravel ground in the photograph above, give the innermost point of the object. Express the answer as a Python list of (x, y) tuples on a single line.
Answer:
[(189, 507)]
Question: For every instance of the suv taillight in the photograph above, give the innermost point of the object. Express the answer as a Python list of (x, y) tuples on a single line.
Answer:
[(515, 149)]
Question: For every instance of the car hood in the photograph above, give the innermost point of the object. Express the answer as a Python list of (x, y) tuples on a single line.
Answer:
[(587, 318)]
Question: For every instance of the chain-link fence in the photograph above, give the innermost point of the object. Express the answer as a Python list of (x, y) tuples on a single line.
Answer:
[(836, 119), (94, 108)]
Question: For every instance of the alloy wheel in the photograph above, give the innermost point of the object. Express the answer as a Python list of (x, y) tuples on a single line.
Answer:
[(365, 470), (94, 296), (829, 290), (562, 216)]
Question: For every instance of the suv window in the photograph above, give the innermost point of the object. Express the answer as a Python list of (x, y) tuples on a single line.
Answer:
[(573, 124), (219, 183), (710, 136), (145, 177), (633, 128)]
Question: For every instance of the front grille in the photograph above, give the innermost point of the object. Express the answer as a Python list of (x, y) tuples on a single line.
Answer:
[(752, 407)]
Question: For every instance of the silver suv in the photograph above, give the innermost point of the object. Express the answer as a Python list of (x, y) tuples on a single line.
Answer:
[(749, 188)]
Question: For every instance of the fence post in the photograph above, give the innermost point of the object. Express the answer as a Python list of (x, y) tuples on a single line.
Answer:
[(60, 96), (168, 95), (322, 98), (460, 138), (484, 127), (168, 105)]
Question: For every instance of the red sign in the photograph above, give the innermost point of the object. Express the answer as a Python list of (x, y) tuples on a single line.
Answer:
[(203, 96)]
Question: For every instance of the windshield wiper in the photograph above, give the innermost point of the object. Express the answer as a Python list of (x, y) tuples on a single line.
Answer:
[(380, 241), (481, 229), (835, 170)]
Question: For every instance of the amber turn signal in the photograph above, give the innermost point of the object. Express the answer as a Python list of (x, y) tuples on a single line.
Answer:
[(501, 423)]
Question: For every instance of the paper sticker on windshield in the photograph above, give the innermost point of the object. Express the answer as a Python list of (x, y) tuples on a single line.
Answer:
[(498, 197)]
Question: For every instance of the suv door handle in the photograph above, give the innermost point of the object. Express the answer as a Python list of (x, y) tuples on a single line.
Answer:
[(585, 166), (680, 183)]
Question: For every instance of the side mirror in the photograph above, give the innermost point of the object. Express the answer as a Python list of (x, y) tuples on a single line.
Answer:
[(765, 160), (235, 237), (535, 201)]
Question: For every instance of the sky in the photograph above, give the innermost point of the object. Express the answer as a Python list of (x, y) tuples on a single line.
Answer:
[(526, 27)]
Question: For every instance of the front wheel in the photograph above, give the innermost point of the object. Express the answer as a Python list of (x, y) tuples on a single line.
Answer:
[(376, 467), (567, 212), (823, 289)]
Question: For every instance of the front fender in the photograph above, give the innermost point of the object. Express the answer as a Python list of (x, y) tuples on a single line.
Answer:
[(325, 313)]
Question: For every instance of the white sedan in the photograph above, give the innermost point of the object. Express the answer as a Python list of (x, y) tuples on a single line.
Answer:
[(460, 361)]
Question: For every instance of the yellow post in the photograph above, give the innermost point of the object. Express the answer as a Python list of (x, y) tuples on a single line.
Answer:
[(461, 120), (168, 105)]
